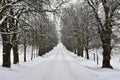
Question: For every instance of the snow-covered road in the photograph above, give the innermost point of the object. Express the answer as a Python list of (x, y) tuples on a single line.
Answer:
[(60, 65)]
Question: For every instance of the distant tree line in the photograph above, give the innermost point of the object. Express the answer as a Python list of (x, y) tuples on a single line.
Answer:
[(78, 32)]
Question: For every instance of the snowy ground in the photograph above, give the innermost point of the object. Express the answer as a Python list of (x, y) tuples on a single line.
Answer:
[(61, 64)]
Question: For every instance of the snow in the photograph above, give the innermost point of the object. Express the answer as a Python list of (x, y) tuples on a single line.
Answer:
[(2, 20), (60, 64)]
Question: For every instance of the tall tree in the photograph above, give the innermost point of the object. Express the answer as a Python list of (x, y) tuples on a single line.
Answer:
[(105, 25)]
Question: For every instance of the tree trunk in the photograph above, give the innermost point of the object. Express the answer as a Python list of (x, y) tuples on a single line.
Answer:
[(106, 44), (32, 53), (15, 49), (87, 53), (24, 52), (106, 55), (87, 47), (80, 51), (16, 54), (6, 45), (106, 52), (14, 39), (6, 51), (15, 44), (40, 52)]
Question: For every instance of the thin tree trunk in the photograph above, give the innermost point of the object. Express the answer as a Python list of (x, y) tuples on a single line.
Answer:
[(87, 53), (80, 47), (15, 49), (75, 50), (15, 45), (16, 54), (32, 53), (24, 52), (86, 45), (81, 51)]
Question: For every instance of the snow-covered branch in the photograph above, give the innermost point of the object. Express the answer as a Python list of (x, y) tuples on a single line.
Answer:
[(2, 20), (9, 33), (8, 5), (91, 3)]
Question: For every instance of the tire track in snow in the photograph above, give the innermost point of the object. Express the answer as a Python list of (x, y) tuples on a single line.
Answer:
[(32, 68), (58, 69), (48, 75), (61, 66), (68, 66)]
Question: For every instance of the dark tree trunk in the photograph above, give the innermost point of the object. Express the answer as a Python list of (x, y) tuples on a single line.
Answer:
[(32, 53), (87, 53), (106, 44), (80, 51), (25, 46), (15, 49), (15, 45), (75, 50), (25, 52), (40, 52), (87, 47), (16, 54), (6, 45), (106, 55), (6, 51)]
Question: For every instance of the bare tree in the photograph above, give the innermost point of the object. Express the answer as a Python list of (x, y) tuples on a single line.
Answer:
[(105, 27)]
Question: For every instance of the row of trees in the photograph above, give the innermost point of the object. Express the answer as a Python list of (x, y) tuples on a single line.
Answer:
[(26, 22), (89, 25), (78, 32), (41, 36)]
